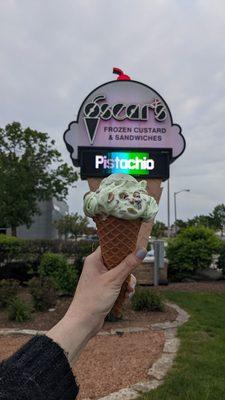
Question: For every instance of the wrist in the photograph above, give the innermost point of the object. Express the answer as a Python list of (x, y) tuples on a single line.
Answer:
[(90, 322), (72, 335)]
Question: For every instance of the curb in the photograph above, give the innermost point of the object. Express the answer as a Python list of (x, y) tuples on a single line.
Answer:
[(158, 370), (17, 331), (33, 332)]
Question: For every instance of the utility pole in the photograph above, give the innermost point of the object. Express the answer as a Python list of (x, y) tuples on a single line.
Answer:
[(175, 213)]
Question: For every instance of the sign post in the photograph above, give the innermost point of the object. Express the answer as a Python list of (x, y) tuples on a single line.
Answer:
[(158, 259), (125, 126)]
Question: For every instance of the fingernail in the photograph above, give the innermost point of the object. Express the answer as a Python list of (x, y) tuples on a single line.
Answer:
[(141, 253)]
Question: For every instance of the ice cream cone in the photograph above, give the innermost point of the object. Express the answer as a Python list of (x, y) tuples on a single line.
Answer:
[(117, 238)]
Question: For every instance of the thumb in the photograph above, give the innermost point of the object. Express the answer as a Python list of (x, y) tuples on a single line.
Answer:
[(121, 271)]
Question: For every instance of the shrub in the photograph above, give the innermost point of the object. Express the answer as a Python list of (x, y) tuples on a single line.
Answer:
[(8, 290), (20, 259), (146, 300), (110, 317), (221, 259), (15, 258), (20, 271), (11, 248), (18, 310), (149, 246), (192, 249), (62, 274), (83, 249), (43, 293)]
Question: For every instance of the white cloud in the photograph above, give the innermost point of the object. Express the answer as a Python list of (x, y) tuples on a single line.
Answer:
[(54, 53)]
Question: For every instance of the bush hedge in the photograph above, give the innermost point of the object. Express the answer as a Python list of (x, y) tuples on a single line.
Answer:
[(192, 249), (19, 259), (83, 249), (62, 274), (43, 293), (8, 290), (11, 248), (221, 259), (18, 310), (110, 317), (146, 300)]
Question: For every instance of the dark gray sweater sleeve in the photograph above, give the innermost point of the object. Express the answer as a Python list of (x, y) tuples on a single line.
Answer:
[(37, 371)]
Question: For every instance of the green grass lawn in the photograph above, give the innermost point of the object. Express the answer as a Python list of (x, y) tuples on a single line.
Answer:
[(199, 369)]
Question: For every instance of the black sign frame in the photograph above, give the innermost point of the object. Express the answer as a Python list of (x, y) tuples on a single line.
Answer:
[(165, 153)]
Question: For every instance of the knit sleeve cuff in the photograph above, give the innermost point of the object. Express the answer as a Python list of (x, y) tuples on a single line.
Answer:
[(46, 365)]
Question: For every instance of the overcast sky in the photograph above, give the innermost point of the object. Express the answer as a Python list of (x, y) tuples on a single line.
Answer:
[(53, 53)]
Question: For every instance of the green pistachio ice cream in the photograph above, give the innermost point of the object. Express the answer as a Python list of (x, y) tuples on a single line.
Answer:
[(121, 196)]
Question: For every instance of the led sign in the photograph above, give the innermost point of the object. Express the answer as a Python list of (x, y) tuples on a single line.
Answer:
[(99, 162)]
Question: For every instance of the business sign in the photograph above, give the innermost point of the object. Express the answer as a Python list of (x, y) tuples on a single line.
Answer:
[(100, 162), (124, 126)]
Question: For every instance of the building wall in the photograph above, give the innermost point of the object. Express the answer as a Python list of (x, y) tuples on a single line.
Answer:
[(43, 226), (145, 273), (59, 209)]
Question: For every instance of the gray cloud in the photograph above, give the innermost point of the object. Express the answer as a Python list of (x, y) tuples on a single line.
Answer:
[(54, 53)]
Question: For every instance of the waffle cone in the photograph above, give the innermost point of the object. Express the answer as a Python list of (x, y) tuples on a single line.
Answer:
[(117, 238)]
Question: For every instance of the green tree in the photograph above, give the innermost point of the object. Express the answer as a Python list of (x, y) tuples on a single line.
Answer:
[(221, 259), (180, 224), (218, 217), (158, 229), (204, 220), (72, 224), (31, 170), (193, 248)]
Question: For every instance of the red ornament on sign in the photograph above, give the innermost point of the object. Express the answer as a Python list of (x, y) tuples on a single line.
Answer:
[(121, 75)]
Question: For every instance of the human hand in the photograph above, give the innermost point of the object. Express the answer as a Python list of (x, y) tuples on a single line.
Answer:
[(98, 288), (96, 293)]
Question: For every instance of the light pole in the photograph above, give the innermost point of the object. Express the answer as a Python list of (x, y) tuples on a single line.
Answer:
[(175, 206), (168, 207)]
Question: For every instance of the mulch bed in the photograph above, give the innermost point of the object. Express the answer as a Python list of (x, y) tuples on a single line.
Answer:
[(112, 363), (46, 320), (108, 363), (206, 286)]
